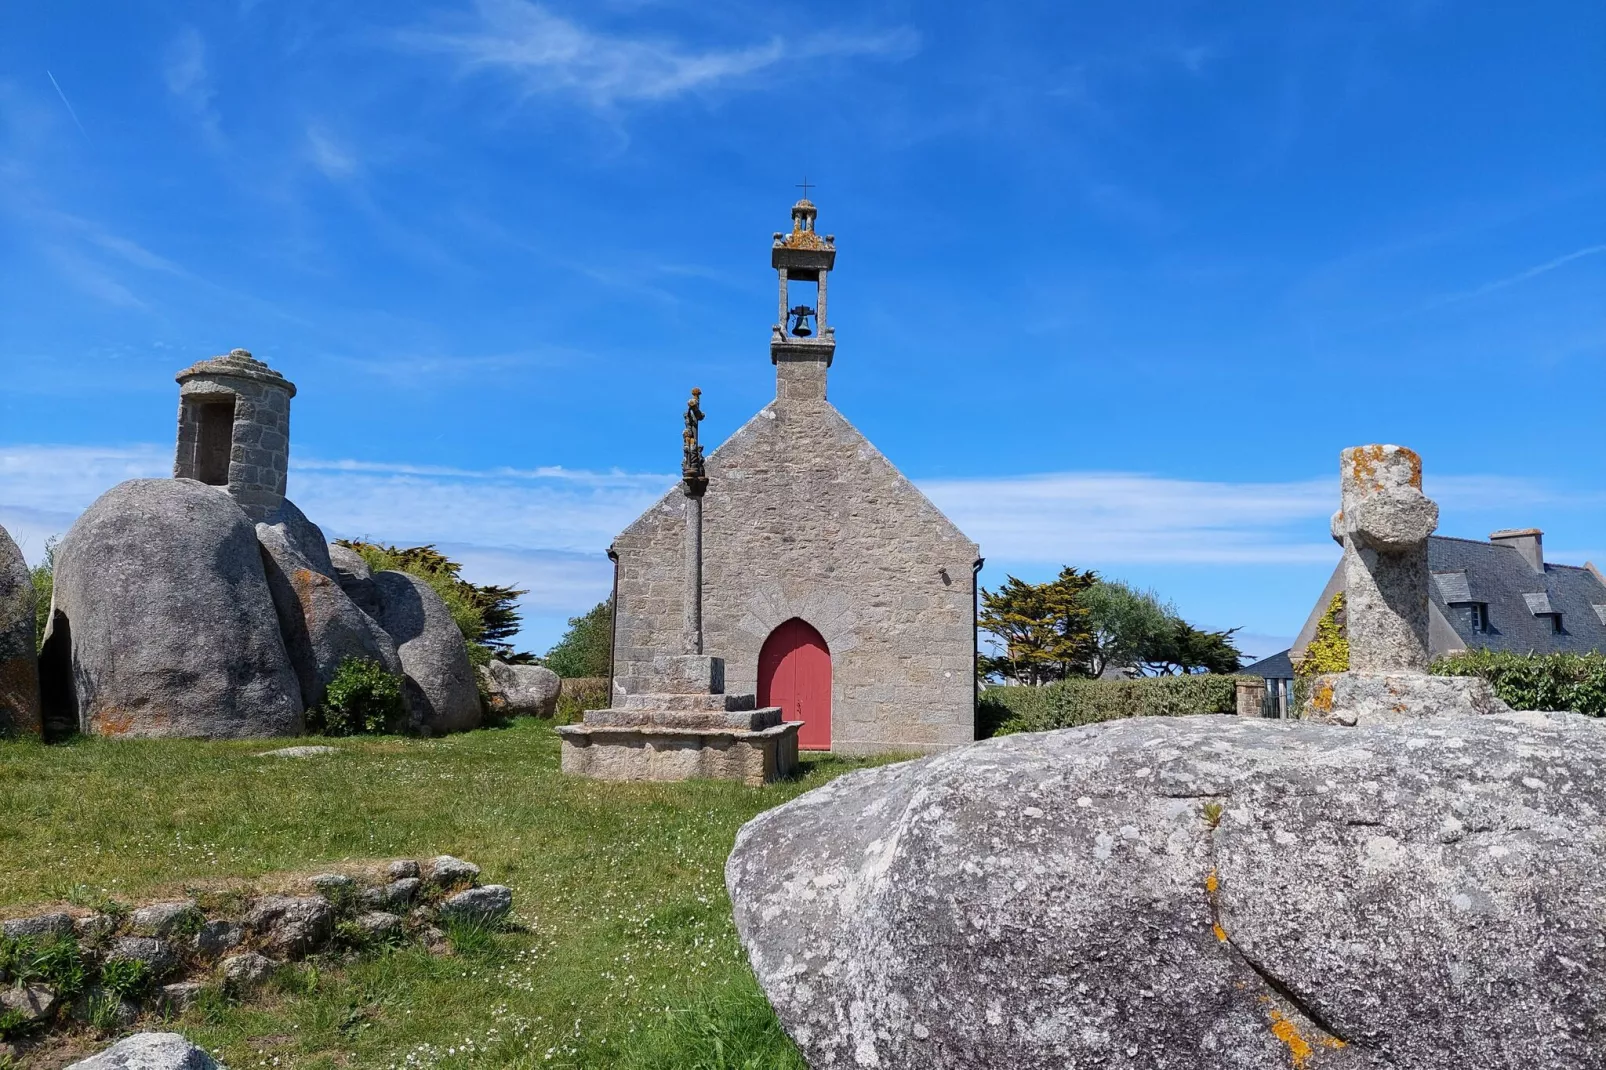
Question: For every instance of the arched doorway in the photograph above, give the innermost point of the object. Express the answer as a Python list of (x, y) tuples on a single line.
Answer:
[(794, 673)]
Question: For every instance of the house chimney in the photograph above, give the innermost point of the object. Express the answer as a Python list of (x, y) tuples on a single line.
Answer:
[(1526, 541)]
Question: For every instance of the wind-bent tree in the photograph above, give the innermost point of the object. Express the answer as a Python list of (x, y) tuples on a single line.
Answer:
[(1041, 627)]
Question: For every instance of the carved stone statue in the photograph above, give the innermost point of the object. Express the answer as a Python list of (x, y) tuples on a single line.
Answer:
[(692, 469)]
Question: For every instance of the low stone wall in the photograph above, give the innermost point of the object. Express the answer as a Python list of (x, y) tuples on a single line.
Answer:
[(104, 971)]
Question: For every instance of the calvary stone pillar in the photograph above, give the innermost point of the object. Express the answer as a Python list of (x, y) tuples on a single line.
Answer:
[(1383, 524)]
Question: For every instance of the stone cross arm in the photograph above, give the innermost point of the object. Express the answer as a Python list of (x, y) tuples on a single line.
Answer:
[(1384, 508)]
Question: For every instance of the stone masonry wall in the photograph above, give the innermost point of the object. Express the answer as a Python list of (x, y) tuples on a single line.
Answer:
[(804, 518), (259, 455)]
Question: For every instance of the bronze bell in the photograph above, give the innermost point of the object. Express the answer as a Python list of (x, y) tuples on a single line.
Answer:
[(802, 313)]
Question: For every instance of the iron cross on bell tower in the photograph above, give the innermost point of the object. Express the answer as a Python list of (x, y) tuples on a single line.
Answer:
[(802, 256)]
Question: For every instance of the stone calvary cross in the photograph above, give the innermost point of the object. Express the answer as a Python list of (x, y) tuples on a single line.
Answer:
[(694, 483)]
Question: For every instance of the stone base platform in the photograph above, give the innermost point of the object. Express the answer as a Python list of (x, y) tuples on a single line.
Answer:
[(1351, 698), (651, 752), (684, 726)]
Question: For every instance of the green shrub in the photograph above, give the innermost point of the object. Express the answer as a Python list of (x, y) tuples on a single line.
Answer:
[(1575, 682), (579, 694), (363, 698), (1069, 703), (487, 615), (587, 647), (996, 707), (44, 586)]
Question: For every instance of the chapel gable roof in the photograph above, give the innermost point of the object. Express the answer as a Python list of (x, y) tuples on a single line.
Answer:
[(850, 447)]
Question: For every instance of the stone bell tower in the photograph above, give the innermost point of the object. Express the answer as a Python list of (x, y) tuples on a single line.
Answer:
[(234, 430), (800, 354)]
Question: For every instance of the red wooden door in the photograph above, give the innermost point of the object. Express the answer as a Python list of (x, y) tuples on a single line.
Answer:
[(794, 673)]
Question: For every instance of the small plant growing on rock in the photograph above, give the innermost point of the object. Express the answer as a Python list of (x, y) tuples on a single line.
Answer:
[(363, 698), (15, 955), (60, 964), (1211, 811), (125, 978), (12, 1024), (105, 1012)]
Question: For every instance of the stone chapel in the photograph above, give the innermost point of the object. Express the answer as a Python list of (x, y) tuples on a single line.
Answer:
[(831, 586)]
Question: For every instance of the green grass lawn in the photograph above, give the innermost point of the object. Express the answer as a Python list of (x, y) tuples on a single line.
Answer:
[(624, 953)]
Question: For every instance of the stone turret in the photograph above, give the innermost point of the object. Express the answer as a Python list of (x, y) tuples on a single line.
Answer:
[(234, 430)]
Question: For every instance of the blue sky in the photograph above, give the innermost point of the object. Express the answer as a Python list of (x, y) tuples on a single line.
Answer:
[(1116, 282)]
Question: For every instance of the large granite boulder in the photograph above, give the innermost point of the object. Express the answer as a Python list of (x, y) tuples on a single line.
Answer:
[(1199, 892), (440, 680), (149, 1051), (164, 615), (354, 577), (19, 659), (320, 623), (301, 533), (521, 690)]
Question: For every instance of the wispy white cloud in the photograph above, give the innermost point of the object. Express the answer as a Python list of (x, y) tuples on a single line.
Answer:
[(541, 529), (92, 278), (190, 82), (328, 155), (1117, 517), (1107, 518), (548, 53), (546, 528)]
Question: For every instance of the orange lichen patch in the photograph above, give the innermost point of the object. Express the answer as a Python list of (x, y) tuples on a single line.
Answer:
[(112, 722), (805, 239), (1212, 885), (1363, 462), (1287, 1032), (1322, 699), (1416, 466)]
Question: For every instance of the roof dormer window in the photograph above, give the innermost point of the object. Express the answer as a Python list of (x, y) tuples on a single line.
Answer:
[(1539, 605), (1474, 615)]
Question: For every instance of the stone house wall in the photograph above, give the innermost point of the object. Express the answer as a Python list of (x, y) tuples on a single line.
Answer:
[(805, 518)]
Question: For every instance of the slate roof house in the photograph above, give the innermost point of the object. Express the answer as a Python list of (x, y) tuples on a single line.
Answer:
[(1495, 595), (831, 586)]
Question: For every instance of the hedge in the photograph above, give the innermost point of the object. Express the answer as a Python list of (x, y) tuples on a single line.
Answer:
[(1004, 710), (1574, 682)]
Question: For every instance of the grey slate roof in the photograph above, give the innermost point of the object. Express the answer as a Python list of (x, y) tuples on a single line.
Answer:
[(1501, 578), (1276, 667), (1453, 586)]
